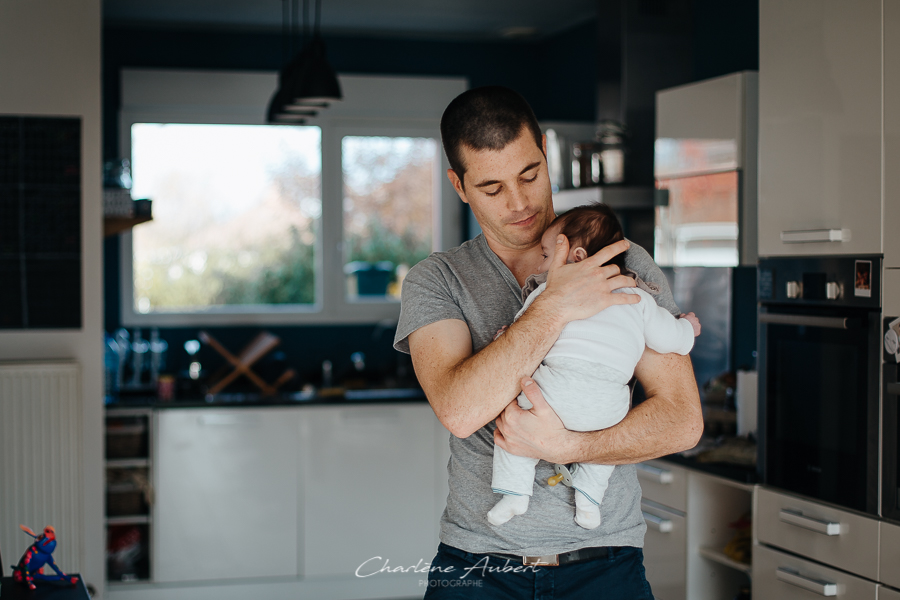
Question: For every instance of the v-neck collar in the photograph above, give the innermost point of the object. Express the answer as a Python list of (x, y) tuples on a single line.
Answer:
[(501, 267)]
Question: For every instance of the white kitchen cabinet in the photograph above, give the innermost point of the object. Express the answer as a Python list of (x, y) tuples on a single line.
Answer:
[(688, 514), (665, 561), (836, 537), (370, 490), (820, 136), (889, 555), (885, 593), (891, 222), (226, 485), (781, 576)]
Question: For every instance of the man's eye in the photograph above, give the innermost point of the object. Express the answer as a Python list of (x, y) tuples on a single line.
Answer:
[(532, 179), (494, 193)]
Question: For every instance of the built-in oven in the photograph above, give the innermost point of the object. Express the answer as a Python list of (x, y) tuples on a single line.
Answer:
[(890, 419), (819, 373)]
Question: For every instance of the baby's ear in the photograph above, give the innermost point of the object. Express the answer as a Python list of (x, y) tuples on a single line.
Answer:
[(579, 253)]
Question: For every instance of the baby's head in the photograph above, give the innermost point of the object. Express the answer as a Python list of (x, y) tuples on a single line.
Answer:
[(589, 228)]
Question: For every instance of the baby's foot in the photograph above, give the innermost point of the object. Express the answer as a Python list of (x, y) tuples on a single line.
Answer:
[(587, 514), (508, 507)]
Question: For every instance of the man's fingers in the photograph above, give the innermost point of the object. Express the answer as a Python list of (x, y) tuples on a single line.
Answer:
[(533, 393), (604, 254), (562, 251), (624, 298)]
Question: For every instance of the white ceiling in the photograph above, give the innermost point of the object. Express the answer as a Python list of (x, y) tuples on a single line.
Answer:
[(445, 19)]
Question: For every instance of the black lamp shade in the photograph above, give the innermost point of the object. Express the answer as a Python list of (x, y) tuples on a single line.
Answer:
[(313, 80)]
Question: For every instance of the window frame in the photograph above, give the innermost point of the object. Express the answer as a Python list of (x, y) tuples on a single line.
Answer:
[(366, 118)]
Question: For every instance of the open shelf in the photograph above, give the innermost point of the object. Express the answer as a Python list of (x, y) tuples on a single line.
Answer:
[(718, 556), (116, 225)]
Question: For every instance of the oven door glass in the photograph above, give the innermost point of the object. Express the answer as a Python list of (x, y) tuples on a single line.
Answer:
[(817, 406)]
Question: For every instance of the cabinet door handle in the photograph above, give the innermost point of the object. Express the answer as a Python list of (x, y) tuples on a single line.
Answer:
[(807, 321), (658, 523), (817, 525), (817, 586), (655, 474), (815, 235)]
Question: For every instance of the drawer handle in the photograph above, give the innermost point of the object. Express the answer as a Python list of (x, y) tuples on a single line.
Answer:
[(807, 321), (815, 235), (817, 525), (817, 586), (655, 474), (658, 523)]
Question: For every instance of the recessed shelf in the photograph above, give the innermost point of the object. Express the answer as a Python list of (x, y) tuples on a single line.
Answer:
[(128, 462), (720, 557), (128, 520)]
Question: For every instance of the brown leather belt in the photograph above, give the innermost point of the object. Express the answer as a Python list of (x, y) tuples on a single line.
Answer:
[(556, 560)]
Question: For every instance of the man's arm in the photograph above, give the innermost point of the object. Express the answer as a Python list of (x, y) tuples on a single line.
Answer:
[(670, 420), (468, 390)]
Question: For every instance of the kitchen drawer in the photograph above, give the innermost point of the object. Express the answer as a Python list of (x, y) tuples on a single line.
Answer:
[(829, 535), (887, 593), (780, 576), (663, 483), (889, 557), (665, 557)]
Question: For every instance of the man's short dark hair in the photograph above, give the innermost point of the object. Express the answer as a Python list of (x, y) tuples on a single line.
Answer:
[(593, 227), (485, 118)]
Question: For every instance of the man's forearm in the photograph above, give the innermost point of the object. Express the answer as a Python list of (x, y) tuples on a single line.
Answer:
[(479, 386), (669, 421)]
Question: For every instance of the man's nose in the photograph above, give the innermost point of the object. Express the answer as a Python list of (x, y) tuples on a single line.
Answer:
[(516, 199)]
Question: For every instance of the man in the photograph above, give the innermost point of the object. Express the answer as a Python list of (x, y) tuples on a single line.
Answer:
[(452, 306)]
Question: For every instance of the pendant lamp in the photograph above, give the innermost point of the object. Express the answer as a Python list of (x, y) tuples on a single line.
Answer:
[(306, 83)]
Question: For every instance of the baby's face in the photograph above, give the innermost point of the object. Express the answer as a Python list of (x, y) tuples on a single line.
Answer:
[(548, 248)]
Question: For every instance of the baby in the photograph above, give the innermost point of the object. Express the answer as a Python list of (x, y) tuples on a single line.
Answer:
[(585, 375)]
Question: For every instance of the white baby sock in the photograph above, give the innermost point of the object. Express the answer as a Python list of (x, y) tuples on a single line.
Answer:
[(587, 514), (508, 507)]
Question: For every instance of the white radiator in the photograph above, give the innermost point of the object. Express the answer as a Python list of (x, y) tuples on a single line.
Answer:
[(40, 459)]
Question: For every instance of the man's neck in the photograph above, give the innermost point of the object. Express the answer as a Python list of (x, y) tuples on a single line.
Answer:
[(521, 262)]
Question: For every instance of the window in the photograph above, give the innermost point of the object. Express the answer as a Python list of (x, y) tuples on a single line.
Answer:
[(389, 192), (277, 224), (236, 211)]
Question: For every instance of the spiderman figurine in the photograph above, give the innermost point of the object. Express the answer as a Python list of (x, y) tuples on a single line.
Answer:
[(40, 553)]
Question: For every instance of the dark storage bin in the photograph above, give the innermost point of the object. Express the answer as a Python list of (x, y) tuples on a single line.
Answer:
[(126, 437)]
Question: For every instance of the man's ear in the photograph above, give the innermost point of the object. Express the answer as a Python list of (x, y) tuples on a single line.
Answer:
[(580, 254), (457, 185)]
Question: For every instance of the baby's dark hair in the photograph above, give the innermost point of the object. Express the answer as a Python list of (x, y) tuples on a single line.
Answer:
[(592, 226)]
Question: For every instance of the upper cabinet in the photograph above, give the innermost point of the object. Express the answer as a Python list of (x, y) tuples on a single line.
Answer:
[(820, 127), (891, 221)]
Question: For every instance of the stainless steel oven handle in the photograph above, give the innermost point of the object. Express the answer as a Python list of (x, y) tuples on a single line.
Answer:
[(822, 588), (807, 321), (801, 520)]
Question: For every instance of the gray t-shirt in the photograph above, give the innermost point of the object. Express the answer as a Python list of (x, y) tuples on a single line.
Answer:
[(470, 283)]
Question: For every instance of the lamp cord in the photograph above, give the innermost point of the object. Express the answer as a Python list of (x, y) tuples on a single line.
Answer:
[(318, 16)]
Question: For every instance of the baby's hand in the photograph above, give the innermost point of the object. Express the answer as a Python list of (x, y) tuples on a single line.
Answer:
[(694, 321)]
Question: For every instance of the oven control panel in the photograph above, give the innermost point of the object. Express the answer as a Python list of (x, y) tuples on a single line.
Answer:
[(831, 281)]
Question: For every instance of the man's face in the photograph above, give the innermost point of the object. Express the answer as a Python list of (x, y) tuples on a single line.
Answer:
[(508, 191)]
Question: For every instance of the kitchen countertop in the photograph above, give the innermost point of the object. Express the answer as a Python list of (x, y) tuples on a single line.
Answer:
[(334, 397)]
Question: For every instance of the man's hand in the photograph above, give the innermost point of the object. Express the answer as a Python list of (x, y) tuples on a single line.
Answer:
[(669, 420), (582, 289), (537, 432)]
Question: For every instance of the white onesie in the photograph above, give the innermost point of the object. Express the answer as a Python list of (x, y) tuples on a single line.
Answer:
[(584, 378)]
